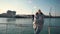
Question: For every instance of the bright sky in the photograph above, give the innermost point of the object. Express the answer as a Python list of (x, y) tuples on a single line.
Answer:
[(30, 6)]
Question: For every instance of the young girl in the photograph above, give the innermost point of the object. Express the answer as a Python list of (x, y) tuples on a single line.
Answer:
[(38, 22)]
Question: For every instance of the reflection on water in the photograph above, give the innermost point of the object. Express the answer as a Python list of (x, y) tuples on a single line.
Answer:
[(17, 26), (11, 19)]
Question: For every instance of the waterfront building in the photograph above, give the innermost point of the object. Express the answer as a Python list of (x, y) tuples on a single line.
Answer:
[(11, 13)]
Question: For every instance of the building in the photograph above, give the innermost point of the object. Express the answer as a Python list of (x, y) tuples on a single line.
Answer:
[(11, 13)]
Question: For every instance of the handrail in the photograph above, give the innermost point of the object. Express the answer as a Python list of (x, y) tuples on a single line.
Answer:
[(52, 27)]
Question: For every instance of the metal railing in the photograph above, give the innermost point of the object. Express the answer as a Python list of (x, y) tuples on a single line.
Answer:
[(17, 26), (55, 27)]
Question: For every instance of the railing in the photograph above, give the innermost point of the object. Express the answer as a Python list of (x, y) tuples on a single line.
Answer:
[(55, 27), (17, 26)]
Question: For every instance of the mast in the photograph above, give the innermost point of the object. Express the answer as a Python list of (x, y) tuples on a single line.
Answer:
[(49, 21), (50, 16), (50, 13)]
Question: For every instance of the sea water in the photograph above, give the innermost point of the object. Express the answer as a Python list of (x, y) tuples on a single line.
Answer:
[(25, 26)]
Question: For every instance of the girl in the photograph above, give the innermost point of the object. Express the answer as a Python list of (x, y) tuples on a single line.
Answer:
[(38, 22)]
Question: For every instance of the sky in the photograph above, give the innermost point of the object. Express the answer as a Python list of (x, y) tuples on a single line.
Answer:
[(31, 6)]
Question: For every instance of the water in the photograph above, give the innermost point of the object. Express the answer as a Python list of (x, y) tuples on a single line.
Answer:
[(24, 26)]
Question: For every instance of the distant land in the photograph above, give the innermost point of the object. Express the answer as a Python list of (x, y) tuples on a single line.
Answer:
[(12, 14), (29, 16)]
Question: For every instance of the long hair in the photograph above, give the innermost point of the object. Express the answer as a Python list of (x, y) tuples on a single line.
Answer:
[(40, 12), (36, 13)]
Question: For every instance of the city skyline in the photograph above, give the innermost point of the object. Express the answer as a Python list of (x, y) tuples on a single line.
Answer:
[(31, 6)]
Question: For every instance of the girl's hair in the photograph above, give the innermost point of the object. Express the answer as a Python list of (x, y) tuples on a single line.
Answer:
[(40, 12), (36, 13)]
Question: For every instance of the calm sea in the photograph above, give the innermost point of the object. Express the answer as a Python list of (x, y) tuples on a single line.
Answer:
[(24, 26)]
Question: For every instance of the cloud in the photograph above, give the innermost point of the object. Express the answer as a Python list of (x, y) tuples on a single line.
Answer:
[(29, 1)]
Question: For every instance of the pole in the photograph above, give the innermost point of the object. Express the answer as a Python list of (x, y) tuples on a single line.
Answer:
[(49, 21)]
